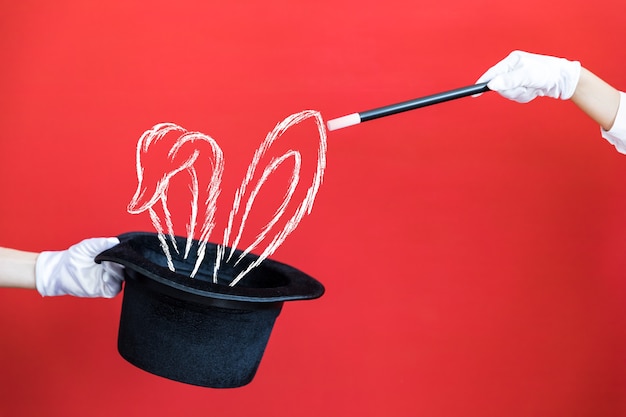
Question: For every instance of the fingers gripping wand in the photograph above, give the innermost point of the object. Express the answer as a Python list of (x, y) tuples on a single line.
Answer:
[(356, 118)]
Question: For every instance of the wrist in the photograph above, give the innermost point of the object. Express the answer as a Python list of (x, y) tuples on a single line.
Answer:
[(597, 99), (17, 268)]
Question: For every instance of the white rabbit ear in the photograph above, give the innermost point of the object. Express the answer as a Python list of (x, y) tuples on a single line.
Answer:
[(143, 201), (268, 237), (212, 190), (157, 191)]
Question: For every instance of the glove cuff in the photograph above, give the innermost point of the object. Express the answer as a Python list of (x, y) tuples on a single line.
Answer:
[(570, 74), (45, 270)]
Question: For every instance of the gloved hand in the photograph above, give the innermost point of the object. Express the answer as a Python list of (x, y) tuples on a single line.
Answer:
[(522, 76), (74, 271)]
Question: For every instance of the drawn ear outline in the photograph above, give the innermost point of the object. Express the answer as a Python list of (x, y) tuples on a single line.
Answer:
[(304, 207), (153, 135)]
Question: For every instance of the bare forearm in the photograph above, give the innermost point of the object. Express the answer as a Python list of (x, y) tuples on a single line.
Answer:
[(597, 99), (17, 268)]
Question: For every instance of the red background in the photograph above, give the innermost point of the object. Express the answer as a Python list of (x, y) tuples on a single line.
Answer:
[(472, 252)]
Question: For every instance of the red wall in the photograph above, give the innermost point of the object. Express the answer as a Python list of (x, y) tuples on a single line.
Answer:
[(472, 252)]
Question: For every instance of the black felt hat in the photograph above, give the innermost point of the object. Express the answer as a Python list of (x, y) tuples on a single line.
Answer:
[(192, 330)]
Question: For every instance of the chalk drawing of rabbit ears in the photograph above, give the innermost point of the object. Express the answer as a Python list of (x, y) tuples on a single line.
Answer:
[(192, 159)]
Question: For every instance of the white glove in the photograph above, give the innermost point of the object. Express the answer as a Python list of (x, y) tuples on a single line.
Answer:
[(522, 76), (74, 271)]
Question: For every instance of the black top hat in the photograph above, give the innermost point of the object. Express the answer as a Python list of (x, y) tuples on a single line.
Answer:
[(192, 330)]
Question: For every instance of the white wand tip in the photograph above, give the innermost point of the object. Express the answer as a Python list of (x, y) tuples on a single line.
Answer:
[(345, 121)]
